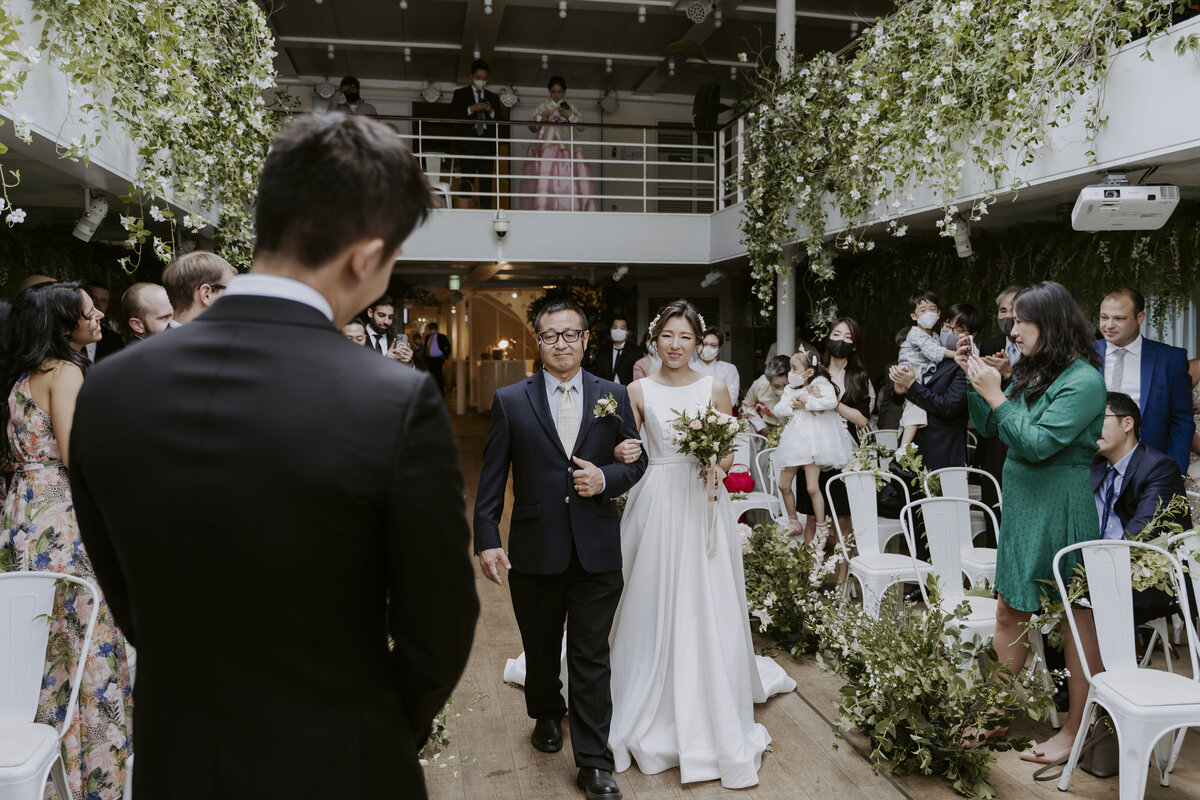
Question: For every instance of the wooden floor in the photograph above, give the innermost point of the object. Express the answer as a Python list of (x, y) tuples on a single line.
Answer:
[(492, 757)]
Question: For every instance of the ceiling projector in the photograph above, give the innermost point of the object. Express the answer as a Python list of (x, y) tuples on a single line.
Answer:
[(1117, 205)]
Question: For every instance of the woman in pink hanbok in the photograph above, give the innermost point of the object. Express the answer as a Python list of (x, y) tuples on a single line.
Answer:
[(555, 174)]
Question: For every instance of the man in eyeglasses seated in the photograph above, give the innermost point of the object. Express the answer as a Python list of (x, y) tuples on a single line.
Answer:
[(1131, 481), (194, 282)]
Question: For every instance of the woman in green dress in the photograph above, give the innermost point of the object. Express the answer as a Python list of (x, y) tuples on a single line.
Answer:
[(1050, 418)]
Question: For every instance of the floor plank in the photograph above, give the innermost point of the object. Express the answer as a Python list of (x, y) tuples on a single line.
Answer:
[(802, 764)]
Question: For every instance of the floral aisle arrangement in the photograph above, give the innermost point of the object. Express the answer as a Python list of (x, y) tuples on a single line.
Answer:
[(788, 583), (936, 87), (917, 688), (185, 80)]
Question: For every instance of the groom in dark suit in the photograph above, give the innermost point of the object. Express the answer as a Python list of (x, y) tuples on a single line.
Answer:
[(564, 543), (297, 498)]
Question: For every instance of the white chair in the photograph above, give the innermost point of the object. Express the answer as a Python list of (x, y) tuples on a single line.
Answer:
[(888, 437), (875, 570), (978, 562), (943, 518), (30, 751), (769, 471), (1145, 704), (438, 181), (1186, 547)]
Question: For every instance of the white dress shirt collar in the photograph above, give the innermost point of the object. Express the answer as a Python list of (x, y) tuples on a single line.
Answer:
[(281, 288), (1134, 347)]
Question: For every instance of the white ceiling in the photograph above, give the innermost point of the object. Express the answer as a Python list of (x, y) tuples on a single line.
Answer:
[(370, 37)]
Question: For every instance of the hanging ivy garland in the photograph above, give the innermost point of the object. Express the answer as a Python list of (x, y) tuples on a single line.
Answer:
[(937, 85), (184, 80)]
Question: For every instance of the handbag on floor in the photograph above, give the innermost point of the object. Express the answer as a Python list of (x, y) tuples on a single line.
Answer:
[(1100, 756), (739, 479)]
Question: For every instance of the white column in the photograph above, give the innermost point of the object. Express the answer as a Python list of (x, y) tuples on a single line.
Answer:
[(461, 353), (785, 285)]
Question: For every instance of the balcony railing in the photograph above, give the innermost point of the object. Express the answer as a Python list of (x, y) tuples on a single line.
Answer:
[(589, 167)]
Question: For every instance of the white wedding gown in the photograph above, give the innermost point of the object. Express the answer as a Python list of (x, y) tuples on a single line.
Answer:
[(684, 673)]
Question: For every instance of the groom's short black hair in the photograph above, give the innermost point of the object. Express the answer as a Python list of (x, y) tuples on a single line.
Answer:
[(331, 180), (553, 307)]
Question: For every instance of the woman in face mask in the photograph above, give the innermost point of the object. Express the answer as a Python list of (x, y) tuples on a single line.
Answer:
[(707, 363), (649, 363), (556, 177), (856, 395)]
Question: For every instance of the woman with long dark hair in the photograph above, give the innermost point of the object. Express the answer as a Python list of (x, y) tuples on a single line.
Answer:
[(44, 365), (1050, 418), (844, 361)]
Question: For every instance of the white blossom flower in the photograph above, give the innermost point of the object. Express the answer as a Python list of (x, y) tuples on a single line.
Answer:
[(16, 216)]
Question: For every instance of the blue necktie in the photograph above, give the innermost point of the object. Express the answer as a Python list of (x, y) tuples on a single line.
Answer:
[(1110, 495)]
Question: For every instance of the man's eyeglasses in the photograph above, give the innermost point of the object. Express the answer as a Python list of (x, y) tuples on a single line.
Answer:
[(551, 337), (220, 287)]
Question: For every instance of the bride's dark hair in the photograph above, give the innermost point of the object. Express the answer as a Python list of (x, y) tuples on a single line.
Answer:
[(680, 308)]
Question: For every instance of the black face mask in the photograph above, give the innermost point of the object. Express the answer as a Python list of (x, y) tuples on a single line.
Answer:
[(839, 348), (1006, 325), (351, 97)]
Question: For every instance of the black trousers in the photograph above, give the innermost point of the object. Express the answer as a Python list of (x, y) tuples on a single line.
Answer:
[(436, 367), (479, 172), (585, 602)]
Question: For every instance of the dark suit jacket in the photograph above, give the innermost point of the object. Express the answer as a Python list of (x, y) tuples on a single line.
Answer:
[(1166, 400), (547, 514), (390, 338), (464, 98), (1150, 478), (943, 396), (286, 493), (110, 342), (602, 364)]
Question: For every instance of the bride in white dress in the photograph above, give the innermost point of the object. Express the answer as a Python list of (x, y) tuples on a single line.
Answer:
[(684, 674)]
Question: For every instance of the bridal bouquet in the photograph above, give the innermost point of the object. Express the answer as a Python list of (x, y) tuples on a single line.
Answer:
[(707, 434)]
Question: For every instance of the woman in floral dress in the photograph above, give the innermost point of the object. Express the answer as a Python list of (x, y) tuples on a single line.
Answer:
[(48, 329)]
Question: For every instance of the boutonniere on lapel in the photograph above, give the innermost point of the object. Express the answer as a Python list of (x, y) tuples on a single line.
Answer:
[(606, 407)]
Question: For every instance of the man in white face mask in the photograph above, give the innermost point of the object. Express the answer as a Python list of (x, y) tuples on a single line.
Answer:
[(477, 150), (615, 359)]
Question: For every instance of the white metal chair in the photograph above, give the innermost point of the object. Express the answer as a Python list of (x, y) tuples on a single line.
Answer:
[(875, 570), (30, 751), (438, 181), (769, 471), (1186, 547), (1145, 704), (977, 562), (943, 531)]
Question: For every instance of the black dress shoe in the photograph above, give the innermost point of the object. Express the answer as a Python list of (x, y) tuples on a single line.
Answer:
[(598, 784), (547, 735)]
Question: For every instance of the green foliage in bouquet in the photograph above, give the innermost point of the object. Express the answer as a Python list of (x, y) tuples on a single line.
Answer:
[(433, 754), (786, 581), (913, 689), (707, 434)]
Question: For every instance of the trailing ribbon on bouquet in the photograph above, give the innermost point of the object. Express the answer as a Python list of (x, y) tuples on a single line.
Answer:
[(711, 487)]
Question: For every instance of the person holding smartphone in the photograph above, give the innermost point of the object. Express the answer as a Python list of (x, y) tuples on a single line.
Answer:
[(401, 351), (556, 177)]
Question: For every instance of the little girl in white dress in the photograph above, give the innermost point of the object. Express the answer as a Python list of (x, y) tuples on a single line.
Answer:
[(815, 436)]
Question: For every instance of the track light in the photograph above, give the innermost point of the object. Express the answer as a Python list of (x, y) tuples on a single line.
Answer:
[(712, 279), (608, 66), (408, 55), (545, 61), (718, 18), (620, 272), (487, 6), (475, 54), (562, 9), (404, 5), (95, 209), (641, 13), (671, 67), (962, 238), (854, 29), (733, 73), (329, 50)]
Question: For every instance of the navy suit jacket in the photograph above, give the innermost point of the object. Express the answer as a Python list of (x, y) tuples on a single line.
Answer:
[(548, 516), (1150, 478), (1166, 400), (943, 396)]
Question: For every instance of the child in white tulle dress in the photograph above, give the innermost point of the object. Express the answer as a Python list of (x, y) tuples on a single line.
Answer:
[(815, 436)]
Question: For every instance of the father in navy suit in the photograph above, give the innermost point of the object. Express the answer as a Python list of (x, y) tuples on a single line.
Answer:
[(1154, 374), (1131, 481), (564, 543)]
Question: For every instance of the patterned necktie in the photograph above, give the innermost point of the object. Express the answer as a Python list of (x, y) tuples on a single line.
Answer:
[(1118, 371), (1110, 484), (568, 418)]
